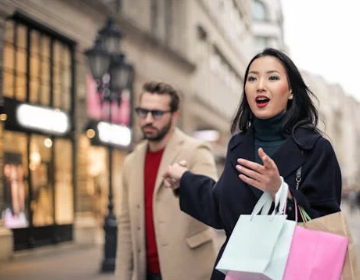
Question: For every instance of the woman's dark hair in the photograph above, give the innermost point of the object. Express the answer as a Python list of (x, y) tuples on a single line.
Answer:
[(300, 110)]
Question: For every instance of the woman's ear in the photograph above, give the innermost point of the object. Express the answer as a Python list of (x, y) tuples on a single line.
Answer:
[(291, 95)]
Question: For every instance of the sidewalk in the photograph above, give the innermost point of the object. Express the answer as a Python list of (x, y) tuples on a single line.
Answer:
[(76, 263), (73, 262)]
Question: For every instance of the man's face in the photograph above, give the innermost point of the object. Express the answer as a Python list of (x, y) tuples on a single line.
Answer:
[(155, 116)]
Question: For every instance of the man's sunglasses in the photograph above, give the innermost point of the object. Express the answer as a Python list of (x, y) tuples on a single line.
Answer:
[(155, 114)]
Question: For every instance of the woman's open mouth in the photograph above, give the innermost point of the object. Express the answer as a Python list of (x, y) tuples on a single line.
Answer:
[(262, 101)]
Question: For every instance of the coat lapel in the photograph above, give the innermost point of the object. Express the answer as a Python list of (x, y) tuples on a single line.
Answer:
[(139, 165), (288, 158), (171, 151)]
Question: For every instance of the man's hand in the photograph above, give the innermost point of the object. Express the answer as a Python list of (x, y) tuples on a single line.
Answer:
[(173, 174)]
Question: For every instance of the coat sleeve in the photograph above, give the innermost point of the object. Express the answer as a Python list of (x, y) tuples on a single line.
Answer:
[(199, 194), (320, 187), (124, 265), (199, 197)]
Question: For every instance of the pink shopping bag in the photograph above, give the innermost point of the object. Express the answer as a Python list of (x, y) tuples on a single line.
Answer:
[(315, 255)]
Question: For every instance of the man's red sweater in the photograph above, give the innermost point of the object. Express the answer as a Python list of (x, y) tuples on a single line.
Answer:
[(152, 163)]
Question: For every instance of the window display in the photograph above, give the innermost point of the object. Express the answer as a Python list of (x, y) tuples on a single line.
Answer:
[(50, 180), (15, 213)]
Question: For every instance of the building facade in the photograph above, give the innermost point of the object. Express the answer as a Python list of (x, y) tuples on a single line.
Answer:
[(267, 25), (38, 90), (338, 114), (53, 174), (219, 43), (338, 111)]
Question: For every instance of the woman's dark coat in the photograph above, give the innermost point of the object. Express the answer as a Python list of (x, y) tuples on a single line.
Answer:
[(220, 204)]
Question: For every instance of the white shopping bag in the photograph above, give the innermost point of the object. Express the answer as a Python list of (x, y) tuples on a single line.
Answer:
[(259, 245)]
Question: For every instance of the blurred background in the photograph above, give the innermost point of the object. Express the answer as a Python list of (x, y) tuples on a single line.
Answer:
[(66, 105)]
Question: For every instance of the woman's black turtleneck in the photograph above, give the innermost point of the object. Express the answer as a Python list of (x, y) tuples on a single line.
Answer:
[(268, 135)]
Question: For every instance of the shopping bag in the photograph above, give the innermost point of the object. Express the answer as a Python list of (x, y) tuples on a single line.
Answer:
[(315, 255), (336, 223), (259, 245)]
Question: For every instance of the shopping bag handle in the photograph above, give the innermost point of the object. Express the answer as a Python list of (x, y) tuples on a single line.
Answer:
[(281, 195), (300, 210), (263, 204), (265, 201), (280, 200)]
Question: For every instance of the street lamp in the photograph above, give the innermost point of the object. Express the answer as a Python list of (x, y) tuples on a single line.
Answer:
[(112, 74)]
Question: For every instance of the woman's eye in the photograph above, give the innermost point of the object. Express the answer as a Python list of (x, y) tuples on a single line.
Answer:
[(274, 78), (250, 79)]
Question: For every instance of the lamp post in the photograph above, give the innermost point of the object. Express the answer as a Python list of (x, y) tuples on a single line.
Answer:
[(112, 74)]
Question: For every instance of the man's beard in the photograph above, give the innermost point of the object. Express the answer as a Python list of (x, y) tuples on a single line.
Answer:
[(160, 133)]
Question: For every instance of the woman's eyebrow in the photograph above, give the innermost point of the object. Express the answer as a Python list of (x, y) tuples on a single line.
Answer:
[(267, 72)]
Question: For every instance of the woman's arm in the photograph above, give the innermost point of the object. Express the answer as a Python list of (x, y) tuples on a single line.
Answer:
[(199, 197)]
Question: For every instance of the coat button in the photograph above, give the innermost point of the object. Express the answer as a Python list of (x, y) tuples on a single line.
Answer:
[(139, 228), (139, 251), (138, 206)]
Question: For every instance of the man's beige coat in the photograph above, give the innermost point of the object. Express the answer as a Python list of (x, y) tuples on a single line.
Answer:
[(186, 247)]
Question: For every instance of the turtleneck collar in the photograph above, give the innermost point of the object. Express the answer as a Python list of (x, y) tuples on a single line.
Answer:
[(269, 129)]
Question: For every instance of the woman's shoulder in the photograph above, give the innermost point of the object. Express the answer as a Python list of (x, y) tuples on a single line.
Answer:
[(310, 138)]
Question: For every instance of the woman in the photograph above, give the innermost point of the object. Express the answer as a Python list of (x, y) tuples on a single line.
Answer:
[(278, 139)]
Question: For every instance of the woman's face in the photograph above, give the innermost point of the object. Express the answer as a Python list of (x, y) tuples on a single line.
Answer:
[(267, 87)]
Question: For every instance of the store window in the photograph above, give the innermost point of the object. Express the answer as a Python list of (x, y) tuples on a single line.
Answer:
[(49, 188), (37, 67), (37, 160), (8, 61), (16, 189), (20, 62), (61, 76), (64, 204)]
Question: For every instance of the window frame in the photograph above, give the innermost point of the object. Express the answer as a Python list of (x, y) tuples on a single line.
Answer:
[(31, 27), (265, 16)]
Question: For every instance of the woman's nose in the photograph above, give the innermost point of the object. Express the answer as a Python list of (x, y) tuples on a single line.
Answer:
[(260, 85)]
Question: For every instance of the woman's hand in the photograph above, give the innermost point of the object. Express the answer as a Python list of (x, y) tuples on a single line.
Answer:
[(265, 177), (173, 174)]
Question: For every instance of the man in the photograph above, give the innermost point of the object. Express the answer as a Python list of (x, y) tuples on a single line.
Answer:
[(156, 240)]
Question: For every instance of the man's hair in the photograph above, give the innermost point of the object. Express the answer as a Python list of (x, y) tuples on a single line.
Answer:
[(163, 89)]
